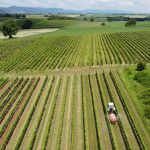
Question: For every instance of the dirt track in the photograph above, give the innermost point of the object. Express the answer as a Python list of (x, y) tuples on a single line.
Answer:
[(67, 71), (29, 32)]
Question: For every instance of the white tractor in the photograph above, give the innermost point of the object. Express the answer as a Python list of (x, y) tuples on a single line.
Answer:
[(111, 107)]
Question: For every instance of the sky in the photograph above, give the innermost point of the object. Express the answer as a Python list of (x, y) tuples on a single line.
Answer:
[(140, 6)]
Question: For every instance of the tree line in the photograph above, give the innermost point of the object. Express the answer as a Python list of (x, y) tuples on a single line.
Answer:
[(17, 16), (10, 28)]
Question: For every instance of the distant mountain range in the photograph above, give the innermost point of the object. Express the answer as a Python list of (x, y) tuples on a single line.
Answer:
[(39, 10)]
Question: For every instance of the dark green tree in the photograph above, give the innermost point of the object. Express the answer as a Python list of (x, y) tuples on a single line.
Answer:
[(27, 24), (103, 24), (17, 16), (85, 19), (9, 28), (130, 23), (23, 16), (92, 19), (141, 66), (109, 19)]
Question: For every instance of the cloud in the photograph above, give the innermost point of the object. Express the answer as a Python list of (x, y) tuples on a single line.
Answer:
[(130, 5)]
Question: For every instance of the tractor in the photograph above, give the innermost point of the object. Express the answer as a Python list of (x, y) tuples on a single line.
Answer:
[(112, 112)]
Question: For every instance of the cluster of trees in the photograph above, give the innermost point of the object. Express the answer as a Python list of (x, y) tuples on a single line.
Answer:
[(123, 18), (118, 18), (130, 23), (57, 17), (10, 28), (27, 24), (85, 19), (20, 16), (17, 16), (92, 19), (103, 24), (109, 19)]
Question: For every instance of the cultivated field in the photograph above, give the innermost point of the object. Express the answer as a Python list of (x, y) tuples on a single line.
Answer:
[(55, 52), (68, 112), (55, 87)]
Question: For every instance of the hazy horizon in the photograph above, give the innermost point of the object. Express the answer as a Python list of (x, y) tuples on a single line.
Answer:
[(136, 6)]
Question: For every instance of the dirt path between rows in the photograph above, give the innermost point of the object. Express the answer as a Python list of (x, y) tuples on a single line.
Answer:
[(67, 71)]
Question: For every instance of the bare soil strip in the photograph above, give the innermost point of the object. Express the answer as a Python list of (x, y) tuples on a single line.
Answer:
[(67, 71), (29, 32)]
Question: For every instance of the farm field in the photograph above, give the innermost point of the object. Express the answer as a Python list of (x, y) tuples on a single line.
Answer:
[(58, 52), (86, 27), (53, 112), (42, 23), (55, 86)]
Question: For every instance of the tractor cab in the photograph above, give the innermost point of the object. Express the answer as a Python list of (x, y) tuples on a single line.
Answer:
[(111, 107)]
